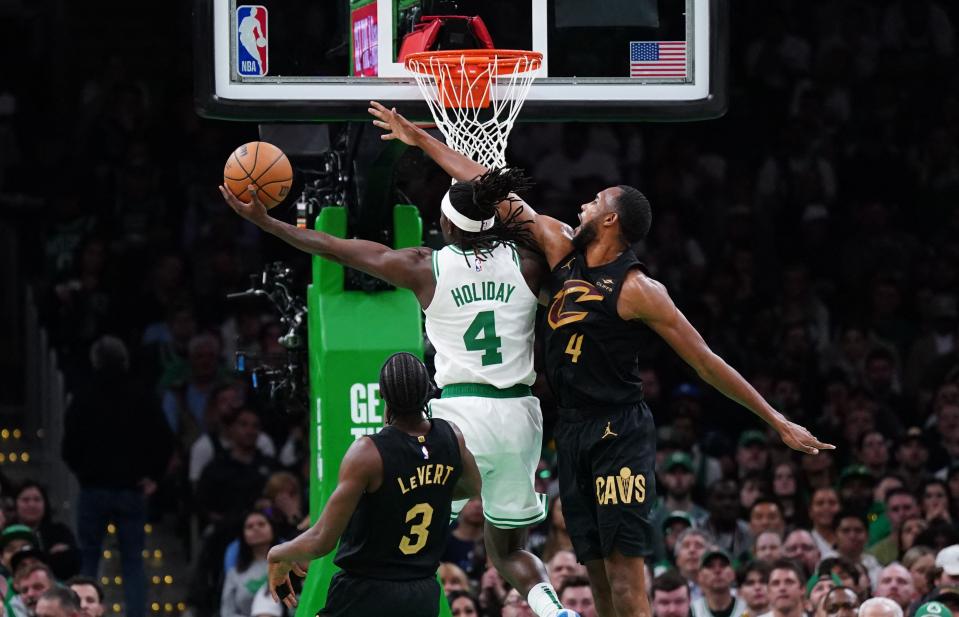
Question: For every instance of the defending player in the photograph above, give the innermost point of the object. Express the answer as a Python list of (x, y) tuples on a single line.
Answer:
[(600, 298), (479, 295), (390, 509)]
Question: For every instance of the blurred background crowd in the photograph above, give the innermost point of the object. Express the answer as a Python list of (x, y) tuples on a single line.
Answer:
[(810, 235)]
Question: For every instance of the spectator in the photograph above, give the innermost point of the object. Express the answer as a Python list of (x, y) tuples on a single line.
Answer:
[(909, 531), (493, 590), (730, 533), (753, 587), (851, 535), (752, 486), (766, 515), (934, 500), (515, 605), (690, 548), (786, 491), (938, 535), (912, 454), (785, 589), (768, 546), (673, 526), (118, 446), (801, 548), (562, 566), (670, 595), (933, 609), (900, 505), (53, 538), (947, 560), (677, 482), (58, 602), (921, 562), (224, 400), (840, 602), (576, 595), (462, 604), (465, 547), (715, 579), (245, 579), (856, 485), (752, 453), (949, 596), (452, 578), (184, 403), (895, 583), (12, 539), (234, 481), (32, 581), (91, 595), (816, 589), (286, 503), (818, 471), (873, 452), (880, 607), (823, 508)]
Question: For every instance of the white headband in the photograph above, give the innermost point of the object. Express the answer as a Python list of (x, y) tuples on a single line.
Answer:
[(462, 221)]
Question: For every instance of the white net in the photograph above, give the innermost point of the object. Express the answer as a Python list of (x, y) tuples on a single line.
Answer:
[(475, 97)]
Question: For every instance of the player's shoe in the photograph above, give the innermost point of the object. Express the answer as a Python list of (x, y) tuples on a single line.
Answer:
[(568, 613)]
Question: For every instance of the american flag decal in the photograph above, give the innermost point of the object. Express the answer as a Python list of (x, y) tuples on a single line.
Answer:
[(657, 59)]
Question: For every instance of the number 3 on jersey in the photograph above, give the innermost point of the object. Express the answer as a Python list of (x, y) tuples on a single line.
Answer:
[(485, 324), (574, 346), (420, 531)]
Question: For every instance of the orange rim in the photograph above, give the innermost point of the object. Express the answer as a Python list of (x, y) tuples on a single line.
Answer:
[(497, 59)]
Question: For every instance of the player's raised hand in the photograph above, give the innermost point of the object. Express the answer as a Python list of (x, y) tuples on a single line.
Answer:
[(395, 125), (799, 438), (254, 211)]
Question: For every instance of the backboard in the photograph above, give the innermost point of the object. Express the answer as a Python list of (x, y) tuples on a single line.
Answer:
[(302, 60)]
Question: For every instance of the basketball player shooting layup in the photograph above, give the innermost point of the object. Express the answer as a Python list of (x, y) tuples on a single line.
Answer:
[(600, 297), (479, 295), (390, 509)]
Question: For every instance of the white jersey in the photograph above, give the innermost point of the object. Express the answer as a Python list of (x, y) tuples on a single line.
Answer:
[(481, 319)]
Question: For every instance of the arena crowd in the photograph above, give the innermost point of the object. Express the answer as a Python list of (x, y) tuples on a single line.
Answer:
[(810, 235)]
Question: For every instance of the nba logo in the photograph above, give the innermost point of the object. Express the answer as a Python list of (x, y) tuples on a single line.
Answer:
[(252, 48)]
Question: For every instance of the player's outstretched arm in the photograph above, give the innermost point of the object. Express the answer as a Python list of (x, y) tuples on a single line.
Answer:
[(646, 299), (361, 468), (408, 268), (551, 236), (470, 481)]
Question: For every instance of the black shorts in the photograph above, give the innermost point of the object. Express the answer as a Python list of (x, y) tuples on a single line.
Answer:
[(354, 596), (607, 480)]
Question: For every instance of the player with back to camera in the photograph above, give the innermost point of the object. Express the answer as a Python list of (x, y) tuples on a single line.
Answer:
[(390, 508), (601, 299), (479, 294)]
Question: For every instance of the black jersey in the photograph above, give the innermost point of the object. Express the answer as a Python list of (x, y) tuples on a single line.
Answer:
[(591, 352), (400, 531)]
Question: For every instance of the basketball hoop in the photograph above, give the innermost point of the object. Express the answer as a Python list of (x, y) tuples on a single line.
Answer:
[(475, 96)]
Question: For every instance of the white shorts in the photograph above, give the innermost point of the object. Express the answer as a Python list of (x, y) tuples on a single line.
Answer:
[(505, 436)]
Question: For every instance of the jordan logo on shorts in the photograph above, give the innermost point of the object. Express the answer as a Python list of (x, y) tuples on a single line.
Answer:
[(608, 432)]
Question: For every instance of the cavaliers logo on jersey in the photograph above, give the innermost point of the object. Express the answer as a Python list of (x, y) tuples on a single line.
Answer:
[(578, 291)]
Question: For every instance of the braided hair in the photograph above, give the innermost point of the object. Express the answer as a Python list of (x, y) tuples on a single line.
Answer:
[(478, 198), (405, 385)]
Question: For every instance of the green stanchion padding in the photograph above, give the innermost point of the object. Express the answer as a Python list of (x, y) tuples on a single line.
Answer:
[(351, 333)]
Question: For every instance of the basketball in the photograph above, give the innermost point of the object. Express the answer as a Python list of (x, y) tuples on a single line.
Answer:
[(263, 165)]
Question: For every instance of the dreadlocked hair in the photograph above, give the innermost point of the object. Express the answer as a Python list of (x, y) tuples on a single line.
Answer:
[(405, 384), (478, 198)]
